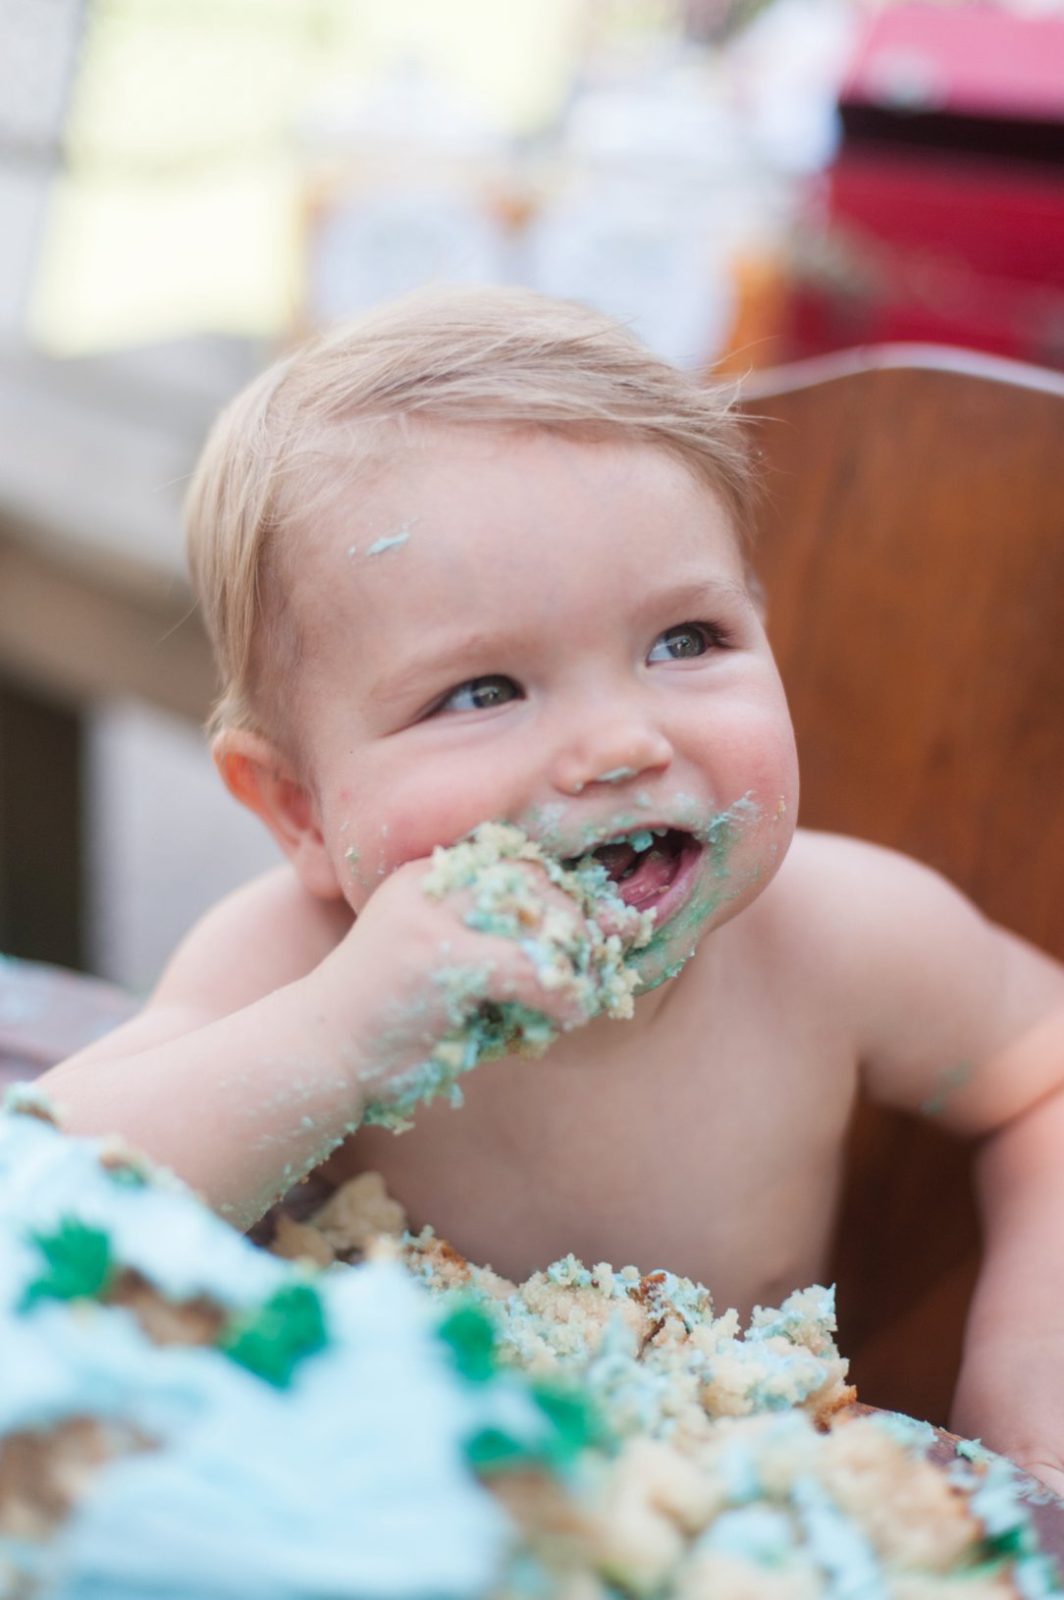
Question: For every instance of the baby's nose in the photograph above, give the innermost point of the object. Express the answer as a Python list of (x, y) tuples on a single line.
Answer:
[(611, 756)]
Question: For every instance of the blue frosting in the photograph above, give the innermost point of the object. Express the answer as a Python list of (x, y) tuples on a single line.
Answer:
[(837, 1545), (46, 1178), (351, 1481), (761, 1534), (344, 1472)]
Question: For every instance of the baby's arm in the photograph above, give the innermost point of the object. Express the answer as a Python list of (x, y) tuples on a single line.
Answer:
[(199, 1078), (280, 1020), (1012, 1383), (964, 1022)]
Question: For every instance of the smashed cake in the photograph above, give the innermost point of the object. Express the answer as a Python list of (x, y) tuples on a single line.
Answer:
[(186, 1416), (737, 1466)]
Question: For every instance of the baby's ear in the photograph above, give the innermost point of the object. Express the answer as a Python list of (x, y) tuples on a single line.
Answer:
[(258, 775)]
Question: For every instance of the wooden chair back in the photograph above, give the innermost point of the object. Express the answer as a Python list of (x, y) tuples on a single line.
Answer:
[(912, 553)]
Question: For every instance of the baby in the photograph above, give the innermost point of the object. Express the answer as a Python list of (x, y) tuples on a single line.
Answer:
[(482, 559)]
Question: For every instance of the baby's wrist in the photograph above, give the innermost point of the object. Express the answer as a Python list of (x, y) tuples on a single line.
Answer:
[(487, 1033)]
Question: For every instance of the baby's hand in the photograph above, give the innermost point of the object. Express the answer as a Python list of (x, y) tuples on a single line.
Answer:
[(490, 948), (1014, 1404)]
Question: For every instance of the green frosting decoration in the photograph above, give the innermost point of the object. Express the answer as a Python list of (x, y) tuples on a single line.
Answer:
[(272, 1340), (573, 1424), (573, 1427), (78, 1263), (493, 1450), (470, 1334), (574, 1420)]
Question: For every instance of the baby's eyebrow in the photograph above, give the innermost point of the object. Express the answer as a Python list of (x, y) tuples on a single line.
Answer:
[(455, 656), (698, 592)]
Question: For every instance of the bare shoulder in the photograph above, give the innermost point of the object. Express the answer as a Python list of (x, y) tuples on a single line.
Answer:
[(844, 896), (264, 935), (864, 897), (840, 855), (876, 915), (834, 912), (924, 979)]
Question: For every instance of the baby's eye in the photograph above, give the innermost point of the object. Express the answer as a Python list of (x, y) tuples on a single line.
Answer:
[(687, 640), (480, 694)]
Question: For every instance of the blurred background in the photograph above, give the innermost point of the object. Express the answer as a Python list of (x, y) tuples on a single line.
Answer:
[(186, 188)]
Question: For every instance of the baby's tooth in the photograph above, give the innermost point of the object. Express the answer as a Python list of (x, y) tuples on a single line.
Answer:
[(641, 840)]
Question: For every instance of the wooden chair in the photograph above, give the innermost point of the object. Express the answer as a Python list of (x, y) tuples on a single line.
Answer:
[(912, 552)]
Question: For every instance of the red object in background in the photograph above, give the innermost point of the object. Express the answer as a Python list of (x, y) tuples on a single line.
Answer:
[(942, 217)]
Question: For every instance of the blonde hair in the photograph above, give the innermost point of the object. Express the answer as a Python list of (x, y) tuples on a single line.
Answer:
[(496, 357)]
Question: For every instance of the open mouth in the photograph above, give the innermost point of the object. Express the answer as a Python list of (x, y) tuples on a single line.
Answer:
[(650, 869)]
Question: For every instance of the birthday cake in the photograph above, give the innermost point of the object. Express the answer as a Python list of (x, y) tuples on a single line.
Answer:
[(187, 1416)]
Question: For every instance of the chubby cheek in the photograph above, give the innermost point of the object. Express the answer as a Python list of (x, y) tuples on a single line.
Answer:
[(753, 752), (755, 762), (400, 818), (776, 780)]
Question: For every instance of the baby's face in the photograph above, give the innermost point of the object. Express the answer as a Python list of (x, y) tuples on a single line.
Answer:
[(525, 628)]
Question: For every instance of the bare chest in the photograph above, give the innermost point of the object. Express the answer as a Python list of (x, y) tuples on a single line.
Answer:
[(710, 1145)]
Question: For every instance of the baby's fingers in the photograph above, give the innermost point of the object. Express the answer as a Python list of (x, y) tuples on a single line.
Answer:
[(1049, 1472), (490, 1002), (570, 953), (529, 973)]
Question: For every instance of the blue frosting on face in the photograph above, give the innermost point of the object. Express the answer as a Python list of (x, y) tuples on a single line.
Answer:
[(350, 1481)]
